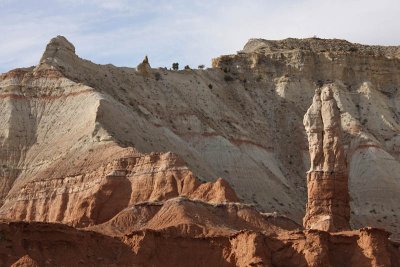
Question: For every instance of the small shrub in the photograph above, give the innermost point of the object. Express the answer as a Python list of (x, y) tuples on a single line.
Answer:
[(157, 76), (319, 83), (228, 78), (210, 86), (201, 66), (187, 67), (175, 66)]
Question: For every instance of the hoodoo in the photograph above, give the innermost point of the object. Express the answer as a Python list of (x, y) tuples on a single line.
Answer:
[(327, 180)]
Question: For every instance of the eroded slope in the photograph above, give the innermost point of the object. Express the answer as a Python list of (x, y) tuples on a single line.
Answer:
[(241, 120)]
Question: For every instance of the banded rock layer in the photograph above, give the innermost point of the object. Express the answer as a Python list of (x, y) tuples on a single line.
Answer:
[(327, 180), (129, 158), (241, 121), (93, 197)]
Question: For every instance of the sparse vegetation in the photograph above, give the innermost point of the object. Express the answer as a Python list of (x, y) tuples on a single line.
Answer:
[(228, 78), (187, 67), (157, 76), (175, 66), (201, 66), (319, 83)]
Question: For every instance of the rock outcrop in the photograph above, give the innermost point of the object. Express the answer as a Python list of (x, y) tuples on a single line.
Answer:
[(328, 205), (45, 244), (126, 165), (94, 196), (144, 67), (241, 121)]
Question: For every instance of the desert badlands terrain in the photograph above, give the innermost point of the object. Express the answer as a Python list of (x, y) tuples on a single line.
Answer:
[(284, 154)]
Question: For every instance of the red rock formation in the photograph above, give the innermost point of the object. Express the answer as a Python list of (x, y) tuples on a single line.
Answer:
[(46, 244), (192, 218), (327, 180), (95, 195)]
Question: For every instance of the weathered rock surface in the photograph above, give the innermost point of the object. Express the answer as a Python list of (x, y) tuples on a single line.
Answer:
[(47, 244), (25, 261), (144, 67), (247, 130), (93, 196), (328, 205), (194, 218), (132, 156)]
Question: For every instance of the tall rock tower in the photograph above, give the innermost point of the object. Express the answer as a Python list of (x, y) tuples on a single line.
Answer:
[(328, 206)]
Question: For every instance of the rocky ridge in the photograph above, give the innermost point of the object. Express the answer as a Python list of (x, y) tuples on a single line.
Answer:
[(88, 145)]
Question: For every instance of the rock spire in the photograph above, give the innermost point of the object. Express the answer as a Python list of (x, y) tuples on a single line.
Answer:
[(144, 67), (327, 180)]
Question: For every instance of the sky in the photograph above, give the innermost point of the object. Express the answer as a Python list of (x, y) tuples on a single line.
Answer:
[(122, 32)]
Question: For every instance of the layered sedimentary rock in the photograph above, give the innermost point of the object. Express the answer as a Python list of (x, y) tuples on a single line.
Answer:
[(241, 121), (132, 156), (328, 205), (44, 244), (93, 196), (194, 218)]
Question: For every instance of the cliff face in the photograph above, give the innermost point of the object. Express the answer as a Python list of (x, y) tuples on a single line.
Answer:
[(327, 180), (241, 120), (138, 154), (365, 82)]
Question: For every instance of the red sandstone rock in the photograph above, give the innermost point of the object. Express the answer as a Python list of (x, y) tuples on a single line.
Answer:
[(46, 244), (95, 196), (192, 218)]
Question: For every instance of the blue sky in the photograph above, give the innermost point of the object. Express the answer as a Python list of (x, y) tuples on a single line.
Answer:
[(122, 32)]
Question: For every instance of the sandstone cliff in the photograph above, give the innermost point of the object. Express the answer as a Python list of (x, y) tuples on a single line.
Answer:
[(93, 196), (241, 120), (137, 154)]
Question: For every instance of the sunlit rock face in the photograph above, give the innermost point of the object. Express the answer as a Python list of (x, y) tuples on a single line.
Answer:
[(327, 180), (67, 122)]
